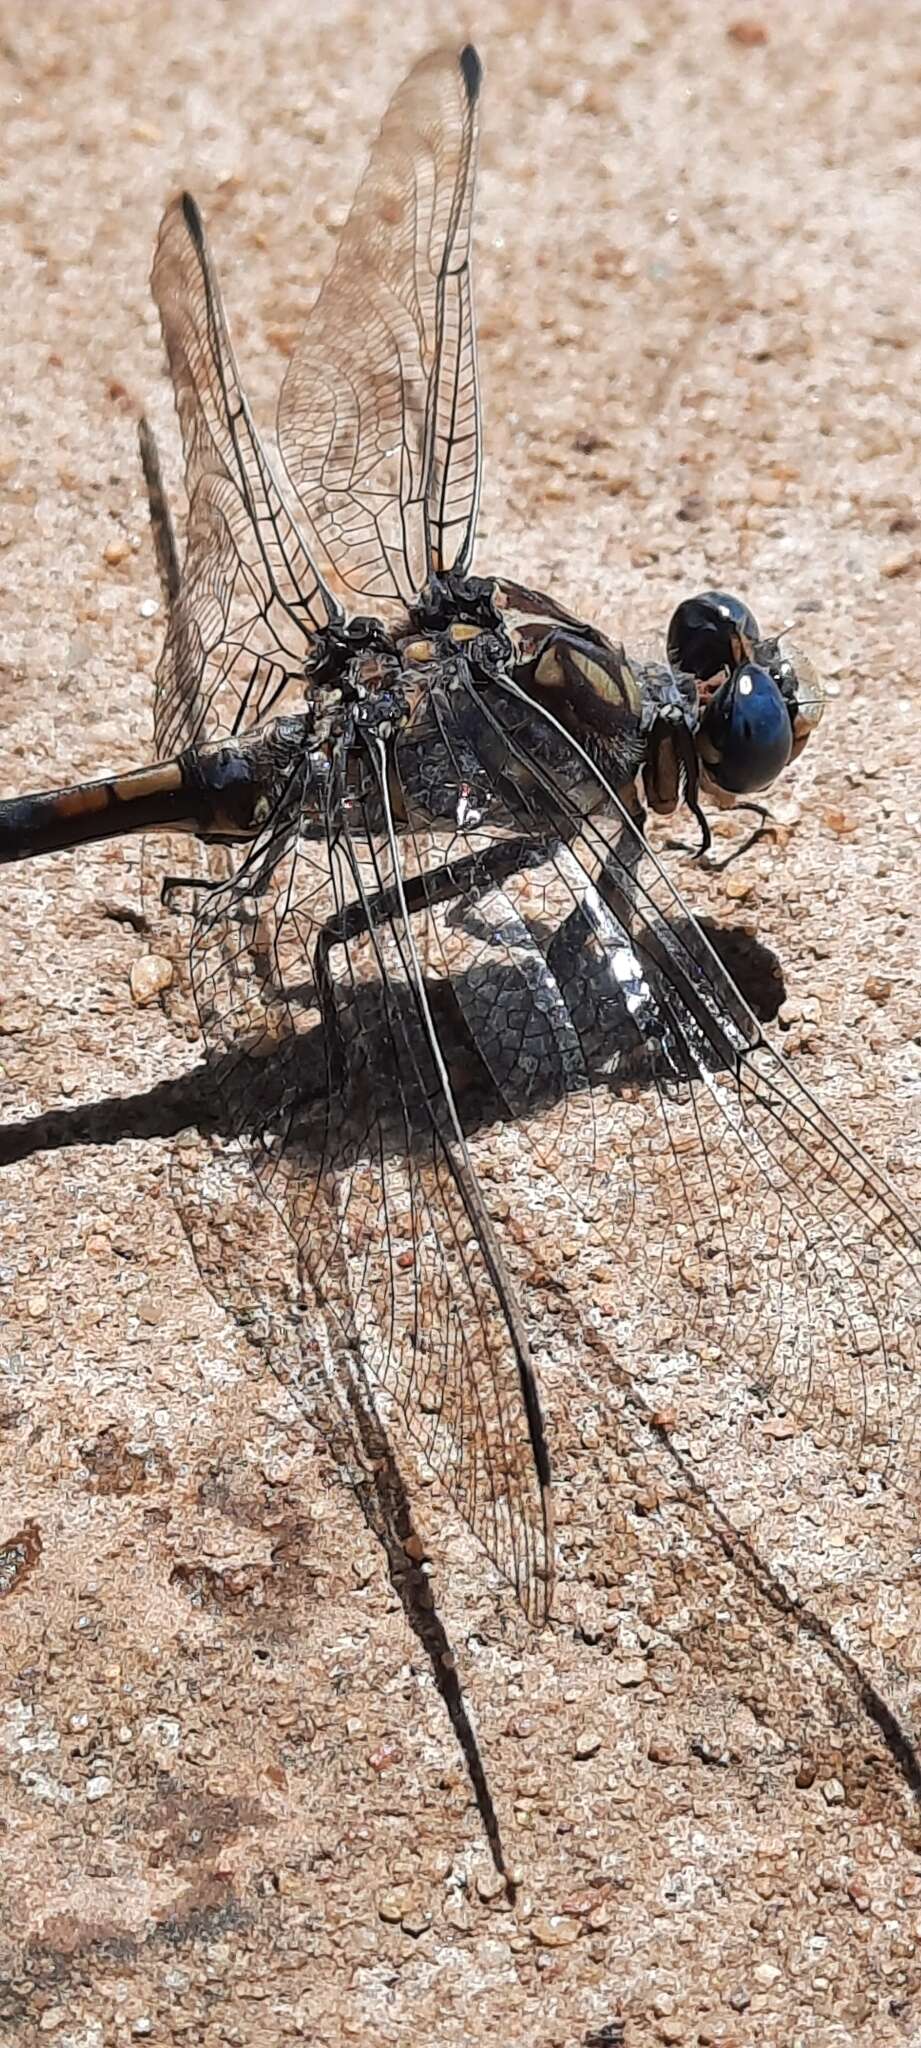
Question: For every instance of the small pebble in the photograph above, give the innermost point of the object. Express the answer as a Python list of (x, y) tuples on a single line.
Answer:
[(458, 1915), (780, 1427), (142, 2026), (98, 1788), (900, 564), (148, 608), (631, 1672), (117, 551), (51, 2018), (749, 33), (383, 1758), (416, 1921), (391, 1906), (833, 1792), (554, 1930), (765, 1974), (277, 1471), (841, 823), (587, 1743), (149, 977)]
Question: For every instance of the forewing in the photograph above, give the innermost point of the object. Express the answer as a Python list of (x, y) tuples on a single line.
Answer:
[(329, 1077), (378, 421), (249, 600), (739, 1227)]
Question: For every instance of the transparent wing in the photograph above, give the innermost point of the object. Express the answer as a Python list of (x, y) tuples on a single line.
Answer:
[(736, 1223), (333, 1084), (249, 599), (378, 421), (529, 975)]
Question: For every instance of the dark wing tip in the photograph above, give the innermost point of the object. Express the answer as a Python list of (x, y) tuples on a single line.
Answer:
[(471, 70), (192, 218)]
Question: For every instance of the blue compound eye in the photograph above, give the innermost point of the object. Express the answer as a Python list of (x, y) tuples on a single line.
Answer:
[(745, 736), (711, 632)]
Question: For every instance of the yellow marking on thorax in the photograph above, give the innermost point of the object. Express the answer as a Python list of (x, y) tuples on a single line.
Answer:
[(613, 685), (548, 672)]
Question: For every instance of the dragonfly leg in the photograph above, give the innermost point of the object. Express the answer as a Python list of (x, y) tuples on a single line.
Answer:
[(765, 823)]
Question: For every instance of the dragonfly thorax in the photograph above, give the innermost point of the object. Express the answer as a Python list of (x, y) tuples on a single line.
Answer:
[(349, 657), (453, 600)]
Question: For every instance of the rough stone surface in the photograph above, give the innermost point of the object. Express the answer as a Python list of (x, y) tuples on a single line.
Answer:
[(700, 320)]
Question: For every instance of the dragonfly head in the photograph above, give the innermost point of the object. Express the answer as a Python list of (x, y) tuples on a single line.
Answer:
[(745, 737), (709, 633), (759, 700)]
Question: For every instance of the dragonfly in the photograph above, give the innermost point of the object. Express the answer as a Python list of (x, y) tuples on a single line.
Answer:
[(417, 797)]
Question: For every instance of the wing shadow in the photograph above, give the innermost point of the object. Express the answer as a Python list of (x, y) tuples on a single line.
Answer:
[(355, 1431), (188, 1101)]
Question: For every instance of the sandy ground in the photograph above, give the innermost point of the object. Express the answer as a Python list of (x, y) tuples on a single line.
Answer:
[(234, 1809)]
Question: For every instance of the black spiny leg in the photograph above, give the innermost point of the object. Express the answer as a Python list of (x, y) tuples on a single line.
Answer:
[(718, 867), (765, 823)]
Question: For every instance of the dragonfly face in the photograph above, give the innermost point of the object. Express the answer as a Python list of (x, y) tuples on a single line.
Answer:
[(437, 781), (759, 702)]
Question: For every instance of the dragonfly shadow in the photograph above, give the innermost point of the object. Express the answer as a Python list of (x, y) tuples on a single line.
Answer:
[(363, 1457), (191, 1101), (384, 1502), (242, 1251), (353, 1426), (862, 1727)]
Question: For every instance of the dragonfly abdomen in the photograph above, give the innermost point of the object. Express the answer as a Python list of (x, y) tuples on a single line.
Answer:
[(52, 819), (223, 792)]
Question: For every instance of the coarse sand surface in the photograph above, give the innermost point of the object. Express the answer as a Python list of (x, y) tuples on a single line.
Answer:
[(233, 1808)]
